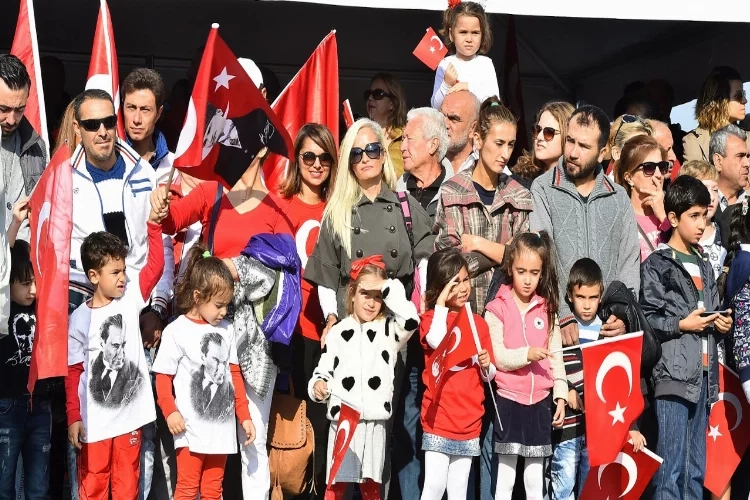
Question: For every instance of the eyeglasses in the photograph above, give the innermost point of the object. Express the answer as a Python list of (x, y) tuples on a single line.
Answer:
[(740, 96), (377, 94), (625, 119), (549, 133), (649, 167), (308, 158), (373, 150), (93, 124)]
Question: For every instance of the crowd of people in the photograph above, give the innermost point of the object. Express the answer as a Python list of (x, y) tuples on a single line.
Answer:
[(376, 244)]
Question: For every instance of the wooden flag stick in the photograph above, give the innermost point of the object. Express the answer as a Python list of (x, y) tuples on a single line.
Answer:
[(479, 348)]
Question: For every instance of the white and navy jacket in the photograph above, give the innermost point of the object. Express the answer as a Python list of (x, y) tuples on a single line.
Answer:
[(358, 360), (139, 182)]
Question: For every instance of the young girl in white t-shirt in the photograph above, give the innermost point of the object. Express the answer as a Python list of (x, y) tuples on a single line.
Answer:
[(198, 357), (467, 34)]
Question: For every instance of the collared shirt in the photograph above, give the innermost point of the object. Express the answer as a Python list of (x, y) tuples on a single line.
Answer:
[(425, 195), (468, 162), (724, 202)]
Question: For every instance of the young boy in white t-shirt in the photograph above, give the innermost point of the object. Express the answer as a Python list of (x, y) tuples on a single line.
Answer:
[(108, 389)]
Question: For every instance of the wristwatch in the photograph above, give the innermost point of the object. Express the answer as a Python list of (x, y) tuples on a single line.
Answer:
[(160, 312)]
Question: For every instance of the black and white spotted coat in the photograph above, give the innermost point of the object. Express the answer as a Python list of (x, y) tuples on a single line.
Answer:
[(359, 360)]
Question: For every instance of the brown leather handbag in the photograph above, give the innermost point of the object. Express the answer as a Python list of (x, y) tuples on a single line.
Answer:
[(291, 447)]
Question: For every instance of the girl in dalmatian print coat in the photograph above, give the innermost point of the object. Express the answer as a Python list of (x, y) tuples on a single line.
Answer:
[(357, 367)]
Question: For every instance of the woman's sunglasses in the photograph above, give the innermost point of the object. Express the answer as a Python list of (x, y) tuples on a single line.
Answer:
[(308, 158), (376, 94), (547, 132), (740, 96), (93, 124), (625, 119), (649, 167), (373, 151)]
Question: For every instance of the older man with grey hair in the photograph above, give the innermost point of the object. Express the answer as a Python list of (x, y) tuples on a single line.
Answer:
[(423, 146), (728, 152)]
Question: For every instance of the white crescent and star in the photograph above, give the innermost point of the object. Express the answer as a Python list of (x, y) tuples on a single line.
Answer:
[(44, 214), (629, 464), (222, 79), (457, 332), (731, 399), (614, 359), (438, 40), (714, 432), (343, 427), (300, 239)]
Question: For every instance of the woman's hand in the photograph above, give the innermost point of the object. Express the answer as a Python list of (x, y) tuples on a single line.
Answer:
[(175, 423), (655, 201), (639, 442), (21, 210), (484, 360), (451, 75), (449, 291), (320, 390), (559, 417), (538, 354), (471, 243), (330, 321)]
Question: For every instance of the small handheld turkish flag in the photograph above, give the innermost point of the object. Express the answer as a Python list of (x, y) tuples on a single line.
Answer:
[(728, 435), (611, 382), (228, 120), (348, 420), (431, 49), (456, 347), (625, 477), (348, 115)]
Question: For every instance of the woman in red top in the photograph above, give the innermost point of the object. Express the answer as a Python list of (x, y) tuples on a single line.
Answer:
[(304, 190), (243, 211), (452, 417)]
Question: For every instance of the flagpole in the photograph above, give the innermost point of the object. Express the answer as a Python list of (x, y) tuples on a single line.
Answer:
[(479, 349)]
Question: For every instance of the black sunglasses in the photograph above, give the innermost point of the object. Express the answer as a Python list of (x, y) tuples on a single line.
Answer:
[(549, 133), (740, 96), (377, 94), (649, 167), (373, 150), (308, 158), (93, 124), (625, 119)]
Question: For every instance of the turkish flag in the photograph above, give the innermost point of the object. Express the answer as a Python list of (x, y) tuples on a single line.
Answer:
[(311, 97), (51, 224), (26, 49), (348, 420), (431, 49), (228, 120), (627, 476), (348, 115), (611, 382), (728, 435), (103, 72), (455, 348), (512, 94)]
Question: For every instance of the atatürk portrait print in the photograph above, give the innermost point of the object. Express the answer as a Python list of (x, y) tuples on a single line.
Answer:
[(114, 380), (211, 389)]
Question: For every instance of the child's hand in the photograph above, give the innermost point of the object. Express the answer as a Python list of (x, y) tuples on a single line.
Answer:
[(249, 428), (722, 324), (538, 354), (160, 199), (559, 418), (157, 216), (459, 87), (320, 390), (639, 442), (484, 359), (449, 290), (76, 434), (695, 323), (175, 423), (574, 400), (21, 210), (451, 75)]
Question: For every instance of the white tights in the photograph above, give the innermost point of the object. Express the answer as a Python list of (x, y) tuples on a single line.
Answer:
[(443, 471), (533, 477)]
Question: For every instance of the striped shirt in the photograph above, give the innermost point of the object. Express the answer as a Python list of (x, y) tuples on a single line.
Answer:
[(690, 263)]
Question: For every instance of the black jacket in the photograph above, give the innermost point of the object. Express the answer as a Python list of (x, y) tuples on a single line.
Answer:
[(667, 296)]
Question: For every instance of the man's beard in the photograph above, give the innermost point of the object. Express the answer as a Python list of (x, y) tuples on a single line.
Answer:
[(458, 145), (583, 171)]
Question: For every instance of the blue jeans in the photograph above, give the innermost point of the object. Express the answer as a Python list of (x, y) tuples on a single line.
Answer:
[(72, 456), (25, 432), (570, 463), (407, 433), (682, 445)]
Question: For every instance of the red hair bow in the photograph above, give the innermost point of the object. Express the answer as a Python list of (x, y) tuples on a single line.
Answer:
[(452, 4), (359, 264)]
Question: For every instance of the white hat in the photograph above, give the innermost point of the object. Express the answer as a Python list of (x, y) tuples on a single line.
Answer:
[(252, 70)]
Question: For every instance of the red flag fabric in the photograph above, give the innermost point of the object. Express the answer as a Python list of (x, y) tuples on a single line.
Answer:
[(626, 477), (26, 49), (611, 382), (51, 224), (348, 115), (348, 421), (311, 97), (728, 435), (457, 346), (512, 94), (228, 120), (431, 49), (103, 72)]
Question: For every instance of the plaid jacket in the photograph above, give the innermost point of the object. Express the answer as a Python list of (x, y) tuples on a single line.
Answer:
[(460, 211)]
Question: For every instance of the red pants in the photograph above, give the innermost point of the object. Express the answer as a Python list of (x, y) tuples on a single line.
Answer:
[(197, 471), (370, 490), (111, 466)]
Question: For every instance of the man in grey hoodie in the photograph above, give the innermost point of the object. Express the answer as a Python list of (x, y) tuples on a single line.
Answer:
[(587, 215)]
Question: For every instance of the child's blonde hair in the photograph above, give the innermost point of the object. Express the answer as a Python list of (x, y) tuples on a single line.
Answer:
[(367, 270), (701, 170), (472, 9)]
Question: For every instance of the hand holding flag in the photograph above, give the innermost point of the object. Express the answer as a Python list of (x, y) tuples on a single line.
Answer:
[(627, 476), (348, 421), (456, 347)]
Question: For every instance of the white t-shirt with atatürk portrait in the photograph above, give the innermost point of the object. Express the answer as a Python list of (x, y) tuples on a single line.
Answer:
[(198, 355)]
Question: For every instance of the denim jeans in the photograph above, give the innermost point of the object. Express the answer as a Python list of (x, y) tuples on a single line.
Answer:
[(407, 434), (25, 432), (682, 445), (570, 463), (72, 456)]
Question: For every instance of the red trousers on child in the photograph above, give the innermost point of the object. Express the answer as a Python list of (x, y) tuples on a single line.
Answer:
[(111, 466), (198, 471), (370, 490)]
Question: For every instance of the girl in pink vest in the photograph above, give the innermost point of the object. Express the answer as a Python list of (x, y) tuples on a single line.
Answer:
[(525, 334)]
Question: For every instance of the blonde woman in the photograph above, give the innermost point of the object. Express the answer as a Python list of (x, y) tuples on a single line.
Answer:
[(549, 133), (623, 129), (66, 134), (721, 101), (386, 105)]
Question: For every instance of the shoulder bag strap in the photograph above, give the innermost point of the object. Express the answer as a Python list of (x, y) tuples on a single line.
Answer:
[(645, 237), (214, 217)]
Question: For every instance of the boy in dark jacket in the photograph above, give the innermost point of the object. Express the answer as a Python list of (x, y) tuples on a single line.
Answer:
[(677, 288)]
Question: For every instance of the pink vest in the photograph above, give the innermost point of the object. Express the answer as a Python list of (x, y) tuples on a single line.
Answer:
[(532, 383)]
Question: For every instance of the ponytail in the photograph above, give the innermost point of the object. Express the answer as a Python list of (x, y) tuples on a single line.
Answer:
[(204, 273)]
